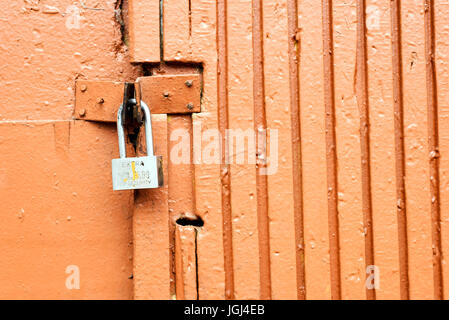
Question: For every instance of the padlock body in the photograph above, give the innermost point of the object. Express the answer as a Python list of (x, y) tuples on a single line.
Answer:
[(137, 173)]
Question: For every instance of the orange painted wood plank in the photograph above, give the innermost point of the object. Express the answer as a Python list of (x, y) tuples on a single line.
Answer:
[(143, 26), (243, 173), (223, 125), (294, 57), (361, 82), (380, 93), (178, 30), (211, 271), (151, 227), (416, 152), (210, 246), (350, 213), (260, 124), (331, 145), (317, 263), (181, 200), (186, 286), (279, 171), (442, 68), (187, 24), (433, 146), (398, 107), (66, 213)]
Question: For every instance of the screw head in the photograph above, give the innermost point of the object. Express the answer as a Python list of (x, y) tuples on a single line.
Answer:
[(166, 94), (190, 106), (189, 83), (82, 112), (83, 88), (100, 100)]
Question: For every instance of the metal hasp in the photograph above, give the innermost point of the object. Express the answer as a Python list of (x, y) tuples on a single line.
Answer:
[(136, 173), (167, 94)]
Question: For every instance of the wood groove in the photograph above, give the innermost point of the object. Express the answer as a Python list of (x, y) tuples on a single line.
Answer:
[(223, 124), (399, 147), (363, 103), (260, 126), (294, 49), (331, 152), (433, 139), (161, 31)]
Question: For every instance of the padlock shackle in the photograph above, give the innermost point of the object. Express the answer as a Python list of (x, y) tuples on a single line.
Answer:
[(148, 129)]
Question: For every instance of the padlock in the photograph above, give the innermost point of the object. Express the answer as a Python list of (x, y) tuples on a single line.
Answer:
[(137, 173)]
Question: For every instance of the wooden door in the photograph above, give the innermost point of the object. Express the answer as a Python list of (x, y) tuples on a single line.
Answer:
[(355, 92), (315, 169)]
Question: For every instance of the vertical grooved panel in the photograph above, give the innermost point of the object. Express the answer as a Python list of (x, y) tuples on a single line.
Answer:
[(416, 150), (279, 168), (223, 125), (260, 124), (272, 228), (294, 59), (243, 174), (363, 103), (312, 113), (385, 223), (401, 203), (349, 192), (442, 77), (433, 140), (331, 152)]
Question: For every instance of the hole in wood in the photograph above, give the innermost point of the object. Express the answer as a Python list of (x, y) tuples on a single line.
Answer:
[(190, 221)]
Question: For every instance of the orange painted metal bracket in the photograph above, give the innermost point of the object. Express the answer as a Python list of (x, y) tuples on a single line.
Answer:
[(167, 94)]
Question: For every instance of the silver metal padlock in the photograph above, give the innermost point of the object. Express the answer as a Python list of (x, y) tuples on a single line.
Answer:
[(137, 173)]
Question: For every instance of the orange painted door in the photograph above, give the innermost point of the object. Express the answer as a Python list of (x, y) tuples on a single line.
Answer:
[(344, 196), (315, 169)]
